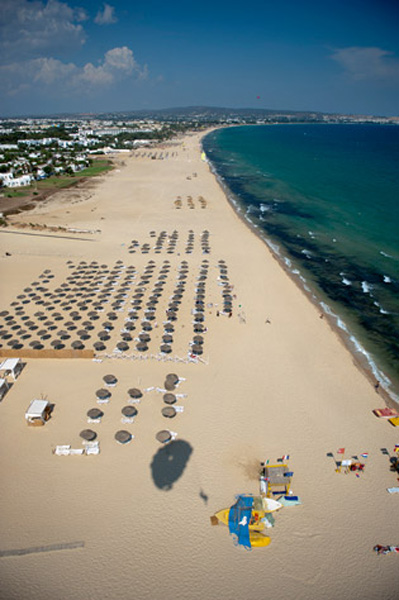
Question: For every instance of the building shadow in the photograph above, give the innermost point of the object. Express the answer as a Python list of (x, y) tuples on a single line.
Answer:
[(169, 463)]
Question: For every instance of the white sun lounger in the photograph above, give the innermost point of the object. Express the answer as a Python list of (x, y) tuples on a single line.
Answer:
[(64, 450)]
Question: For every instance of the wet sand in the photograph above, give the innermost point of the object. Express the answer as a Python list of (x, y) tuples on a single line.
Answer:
[(261, 390)]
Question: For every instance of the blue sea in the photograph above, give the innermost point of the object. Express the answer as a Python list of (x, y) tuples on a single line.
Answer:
[(326, 199)]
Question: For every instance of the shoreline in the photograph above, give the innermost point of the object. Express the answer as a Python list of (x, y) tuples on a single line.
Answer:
[(361, 357)]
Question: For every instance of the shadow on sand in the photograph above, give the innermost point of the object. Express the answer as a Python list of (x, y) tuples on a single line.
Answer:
[(169, 463)]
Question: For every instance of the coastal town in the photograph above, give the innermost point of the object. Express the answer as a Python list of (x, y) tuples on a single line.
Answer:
[(34, 149)]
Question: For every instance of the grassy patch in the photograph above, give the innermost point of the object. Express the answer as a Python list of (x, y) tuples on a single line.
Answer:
[(60, 181), (98, 166), (17, 193)]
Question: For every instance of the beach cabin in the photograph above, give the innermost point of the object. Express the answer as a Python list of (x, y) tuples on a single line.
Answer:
[(3, 388), (38, 412), (11, 366)]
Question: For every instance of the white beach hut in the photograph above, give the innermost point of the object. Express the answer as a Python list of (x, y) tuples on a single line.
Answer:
[(11, 366), (38, 412)]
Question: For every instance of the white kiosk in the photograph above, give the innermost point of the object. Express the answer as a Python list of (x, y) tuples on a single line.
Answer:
[(38, 412)]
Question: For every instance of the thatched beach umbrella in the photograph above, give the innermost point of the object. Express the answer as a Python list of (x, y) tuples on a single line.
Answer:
[(88, 435), (163, 436), (110, 379), (122, 436), (167, 338), (135, 393), (169, 398), (36, 345), (129, 325), (144, 337), (197, 349), (103, 336), (169, 327), (126, 337), (103, 394), (99, 346), (198, 339), (166, 349), (129, 411), (57, 344), (95, 413), (172, 378), (199, 318), (122, 346), (142, 346), (77, 345), (169, 412)]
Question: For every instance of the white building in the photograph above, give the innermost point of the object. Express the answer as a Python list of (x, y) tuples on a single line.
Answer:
[(9, 180)]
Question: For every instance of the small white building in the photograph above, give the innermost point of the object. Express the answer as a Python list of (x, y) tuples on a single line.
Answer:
[(38, 412), (21, 181), (12, 367)]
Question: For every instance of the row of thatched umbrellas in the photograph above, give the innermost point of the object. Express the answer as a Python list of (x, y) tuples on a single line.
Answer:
[(226, 288), (172, 242), (78, 283), (47, 326), (129, 411)]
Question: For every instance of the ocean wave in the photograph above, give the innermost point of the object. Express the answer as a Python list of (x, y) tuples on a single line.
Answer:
[(264, 208), (345, 280), (366, 287), (387, 279), (382, 310), (307, 253), (386, 255), (383, 380)]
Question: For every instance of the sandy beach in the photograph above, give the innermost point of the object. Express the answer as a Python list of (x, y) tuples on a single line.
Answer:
[(273, 379)]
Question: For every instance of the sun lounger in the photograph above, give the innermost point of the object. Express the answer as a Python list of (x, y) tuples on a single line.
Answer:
[(179, 409), (62, 450), (393, 490), (92, 447), (76, 451), (93, 420), (127, 420), (289, 500), (385, 413)]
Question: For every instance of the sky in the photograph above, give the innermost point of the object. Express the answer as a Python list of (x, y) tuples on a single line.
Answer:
[(339, 56)]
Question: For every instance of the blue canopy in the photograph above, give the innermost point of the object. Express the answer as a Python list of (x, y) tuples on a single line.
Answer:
[(239, 518)]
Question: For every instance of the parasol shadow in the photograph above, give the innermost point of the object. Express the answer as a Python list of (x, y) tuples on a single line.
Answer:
[(169, 463)]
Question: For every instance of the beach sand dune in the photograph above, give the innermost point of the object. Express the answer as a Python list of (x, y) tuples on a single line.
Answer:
[(273, 379)]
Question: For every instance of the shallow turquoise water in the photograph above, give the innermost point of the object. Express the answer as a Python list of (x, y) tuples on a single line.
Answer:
[(328, 196)]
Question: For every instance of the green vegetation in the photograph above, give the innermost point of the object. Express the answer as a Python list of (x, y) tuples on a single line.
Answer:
[(96, 168), (19, 193)]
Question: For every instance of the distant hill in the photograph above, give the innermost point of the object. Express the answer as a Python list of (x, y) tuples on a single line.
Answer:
[(198, 113)]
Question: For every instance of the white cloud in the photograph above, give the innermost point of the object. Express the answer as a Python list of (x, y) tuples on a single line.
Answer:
[(368, 63), (46, 73), (31, 29), (107, 16)]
